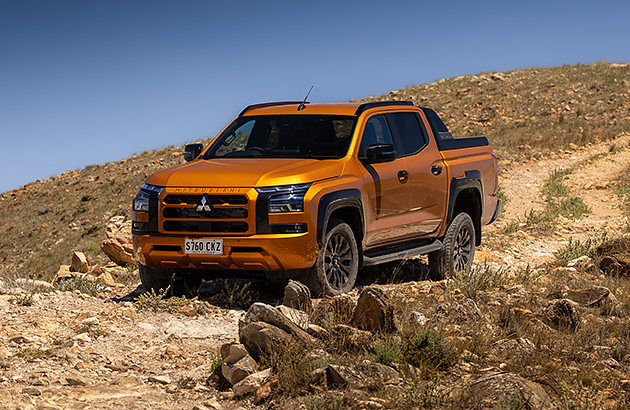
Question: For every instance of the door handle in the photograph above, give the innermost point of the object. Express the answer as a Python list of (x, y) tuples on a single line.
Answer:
[(436, 170), (403, 176)]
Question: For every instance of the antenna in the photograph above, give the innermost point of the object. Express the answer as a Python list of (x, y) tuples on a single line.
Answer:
[(302, 106)]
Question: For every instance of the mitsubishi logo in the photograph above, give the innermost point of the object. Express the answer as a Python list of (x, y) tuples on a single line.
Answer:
[(205, 204)]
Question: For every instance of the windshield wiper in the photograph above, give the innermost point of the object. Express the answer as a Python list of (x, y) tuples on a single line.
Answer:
[(310, 155)]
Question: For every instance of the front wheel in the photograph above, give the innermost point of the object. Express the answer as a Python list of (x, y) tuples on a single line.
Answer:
[(337, 264), (458, 248)]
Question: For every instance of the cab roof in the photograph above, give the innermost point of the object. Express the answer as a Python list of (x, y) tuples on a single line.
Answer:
[(295, 107)]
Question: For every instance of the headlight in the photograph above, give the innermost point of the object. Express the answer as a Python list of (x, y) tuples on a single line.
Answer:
[(141, 201), (287, 198)]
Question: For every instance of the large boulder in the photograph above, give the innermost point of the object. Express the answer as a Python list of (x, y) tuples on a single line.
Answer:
[(261, 312), (262, 339), (595, 296), (118, 246), (373, 312), (362, 376), (488, 391)]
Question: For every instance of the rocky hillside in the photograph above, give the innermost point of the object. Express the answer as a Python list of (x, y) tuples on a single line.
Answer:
[(541, 322)]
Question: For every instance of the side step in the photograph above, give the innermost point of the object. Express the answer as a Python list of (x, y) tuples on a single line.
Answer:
[(397, 254)]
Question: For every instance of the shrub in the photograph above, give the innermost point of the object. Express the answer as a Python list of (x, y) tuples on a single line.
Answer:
[(478, 279), (387, 350), (428, 349)]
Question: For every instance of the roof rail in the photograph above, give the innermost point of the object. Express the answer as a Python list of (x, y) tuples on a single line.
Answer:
[(375, 104), (269, 104)]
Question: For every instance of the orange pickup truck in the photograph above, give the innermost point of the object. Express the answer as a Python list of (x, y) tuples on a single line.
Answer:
[(314, 192)]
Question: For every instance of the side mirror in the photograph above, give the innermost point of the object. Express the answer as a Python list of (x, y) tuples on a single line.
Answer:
[(192, 151), (380, 152)]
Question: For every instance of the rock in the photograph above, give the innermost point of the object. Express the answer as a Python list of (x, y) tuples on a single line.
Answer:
[(212, 404), (251, 383), (362, 376), (162, 379), (355, 336), (31, 391), (261, 339), (264, 391), (298, 296), (296, 316), (76, 381), (118, 246), (108, 274), (107, 279), (238, 364), (318, 332), (83, 337), (561, 314), (79, 263), (260, 312), (522, 346), (418, 318), (596, 296), (374, 312), (63, 273), (116, 252), (614, 256), (188, 311), (487, 391)]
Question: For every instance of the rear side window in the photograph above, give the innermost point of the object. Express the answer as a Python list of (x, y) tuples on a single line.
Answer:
[(410, 134)]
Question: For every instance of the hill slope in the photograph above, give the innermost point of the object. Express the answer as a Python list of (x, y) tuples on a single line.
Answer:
[(525, 114)]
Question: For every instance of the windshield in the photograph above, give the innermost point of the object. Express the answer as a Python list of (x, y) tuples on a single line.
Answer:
[(285, 136)]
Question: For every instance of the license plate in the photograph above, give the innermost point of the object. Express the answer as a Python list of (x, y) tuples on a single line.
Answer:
[(203, 246)]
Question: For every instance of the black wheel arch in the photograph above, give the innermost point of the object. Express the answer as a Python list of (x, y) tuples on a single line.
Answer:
[(346, 205), (466, 196)]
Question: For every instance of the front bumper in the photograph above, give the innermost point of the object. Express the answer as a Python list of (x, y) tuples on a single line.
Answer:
[(264, 252)]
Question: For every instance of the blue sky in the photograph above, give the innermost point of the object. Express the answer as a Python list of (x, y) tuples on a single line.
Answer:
[(88, 82)]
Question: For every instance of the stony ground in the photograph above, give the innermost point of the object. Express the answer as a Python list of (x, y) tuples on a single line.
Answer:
[(69, 350)]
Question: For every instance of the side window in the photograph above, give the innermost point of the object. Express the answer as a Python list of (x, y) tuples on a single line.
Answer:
[(409, 131), (376, 131)]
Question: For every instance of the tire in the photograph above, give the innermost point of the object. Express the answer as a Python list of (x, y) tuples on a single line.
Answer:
[(154, 279), (337, 264), (458, 249)]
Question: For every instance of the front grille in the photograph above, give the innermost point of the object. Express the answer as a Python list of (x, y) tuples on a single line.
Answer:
[(227, 214), (216, 213), (214, 199), (198, 226)]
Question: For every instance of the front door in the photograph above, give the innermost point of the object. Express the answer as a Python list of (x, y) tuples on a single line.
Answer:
[(387, 186)]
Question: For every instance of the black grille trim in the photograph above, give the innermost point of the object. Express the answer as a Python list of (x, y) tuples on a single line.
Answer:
[(174, 199), (216, 213), (205, 226)]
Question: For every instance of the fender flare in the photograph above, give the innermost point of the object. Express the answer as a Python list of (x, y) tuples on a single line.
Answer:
[(471, 180), (346, 198)]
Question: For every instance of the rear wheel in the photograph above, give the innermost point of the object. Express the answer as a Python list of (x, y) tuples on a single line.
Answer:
[(154, 279), (337, 264), (458, 248)]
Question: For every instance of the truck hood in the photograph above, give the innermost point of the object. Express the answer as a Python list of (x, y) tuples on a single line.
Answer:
[(246, 173)]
